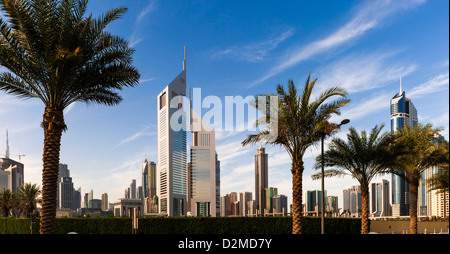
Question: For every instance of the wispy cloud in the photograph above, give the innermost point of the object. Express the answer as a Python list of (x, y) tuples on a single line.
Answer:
[(357, 73), (254, 52), (368, 16), (136, 37), (435, 84), (143, 132)]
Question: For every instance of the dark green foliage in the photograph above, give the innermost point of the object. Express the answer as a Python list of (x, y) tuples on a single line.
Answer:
[(185, 225)]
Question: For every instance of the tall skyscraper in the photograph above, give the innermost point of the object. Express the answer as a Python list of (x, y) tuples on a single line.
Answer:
[(11, 171), (403, 113), (261, 179), (203, 169), (105, 203), (352, 200), (379, 198), (172, 146), (280, 204), (65, 193), (149, 187)]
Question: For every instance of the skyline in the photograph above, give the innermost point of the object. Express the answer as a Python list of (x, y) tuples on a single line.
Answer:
[(242, 50)]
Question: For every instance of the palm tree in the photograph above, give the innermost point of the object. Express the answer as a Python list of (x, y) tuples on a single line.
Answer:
[(54, 53), (300, 125), (29, 194), (419, 151), (6, 202), (362, 157)]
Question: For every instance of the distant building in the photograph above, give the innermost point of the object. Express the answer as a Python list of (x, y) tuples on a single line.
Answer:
[(352, 201), (11, 171), (244, 198), (65, 193), (227, 204), (379, 198), (332, 204), (124, 207), (105, 204), (261, 179), (270, 192), (314, 201), (280, 205)]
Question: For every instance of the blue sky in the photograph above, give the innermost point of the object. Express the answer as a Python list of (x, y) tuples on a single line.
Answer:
[(241, 48)]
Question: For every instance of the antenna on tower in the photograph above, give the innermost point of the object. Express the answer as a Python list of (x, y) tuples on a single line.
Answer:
[(401, 91), (184, 61)]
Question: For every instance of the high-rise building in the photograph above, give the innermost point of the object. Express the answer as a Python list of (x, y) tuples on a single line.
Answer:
[(332, 204), (172, 146), (352, 201), (76, 199), (65, 193), (202, 169), (244, 198), (403, 113), (314, 201), (227, 205), (280, 205), (270, 193), (217, 187), (105, 204), (11, 171), (379, 198), (149, 187), (261, 179)]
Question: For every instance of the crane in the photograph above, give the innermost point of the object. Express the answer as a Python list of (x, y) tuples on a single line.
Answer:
[(20, 157)]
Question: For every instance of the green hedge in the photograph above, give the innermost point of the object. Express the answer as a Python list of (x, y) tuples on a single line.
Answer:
[(185, 225)]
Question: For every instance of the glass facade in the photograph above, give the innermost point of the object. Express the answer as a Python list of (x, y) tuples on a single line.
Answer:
[(403, 113), (200, 173)]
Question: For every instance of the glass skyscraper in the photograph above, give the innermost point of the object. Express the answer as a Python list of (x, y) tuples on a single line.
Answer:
[(403, 113), (172, 147)]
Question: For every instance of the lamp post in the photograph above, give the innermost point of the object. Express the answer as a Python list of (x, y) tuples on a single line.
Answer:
[(322, 210)]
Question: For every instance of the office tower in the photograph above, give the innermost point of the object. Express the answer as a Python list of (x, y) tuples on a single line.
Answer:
[(202, 169), (244, 197), (90, 197), (76, 199), (280, 204), (149, 187), (332, 204), (12, 172), (425, 197), (65, 192), (172, 146), (270, 193), (145, 178), (314, 201), (217, 187), (352, 201), (105, 204), (379, 198), (132, 191), (403, 113), (227, 203), (62, 172), (261, 179), (86, 201)]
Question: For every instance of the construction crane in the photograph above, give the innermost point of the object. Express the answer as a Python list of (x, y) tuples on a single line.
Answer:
[(20, 157)]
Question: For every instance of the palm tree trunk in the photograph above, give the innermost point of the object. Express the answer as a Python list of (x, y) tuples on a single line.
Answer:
[(414, 188), (53, 125), (365, 209), (297, 207)]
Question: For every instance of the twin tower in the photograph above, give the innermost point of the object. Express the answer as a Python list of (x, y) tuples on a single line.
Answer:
[(192, 187)]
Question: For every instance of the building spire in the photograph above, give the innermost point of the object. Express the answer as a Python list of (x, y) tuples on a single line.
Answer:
[(7, 146), (401, 91), (184, 61)]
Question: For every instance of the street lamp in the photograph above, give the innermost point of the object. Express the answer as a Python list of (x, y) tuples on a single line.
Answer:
[(322, 215)]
